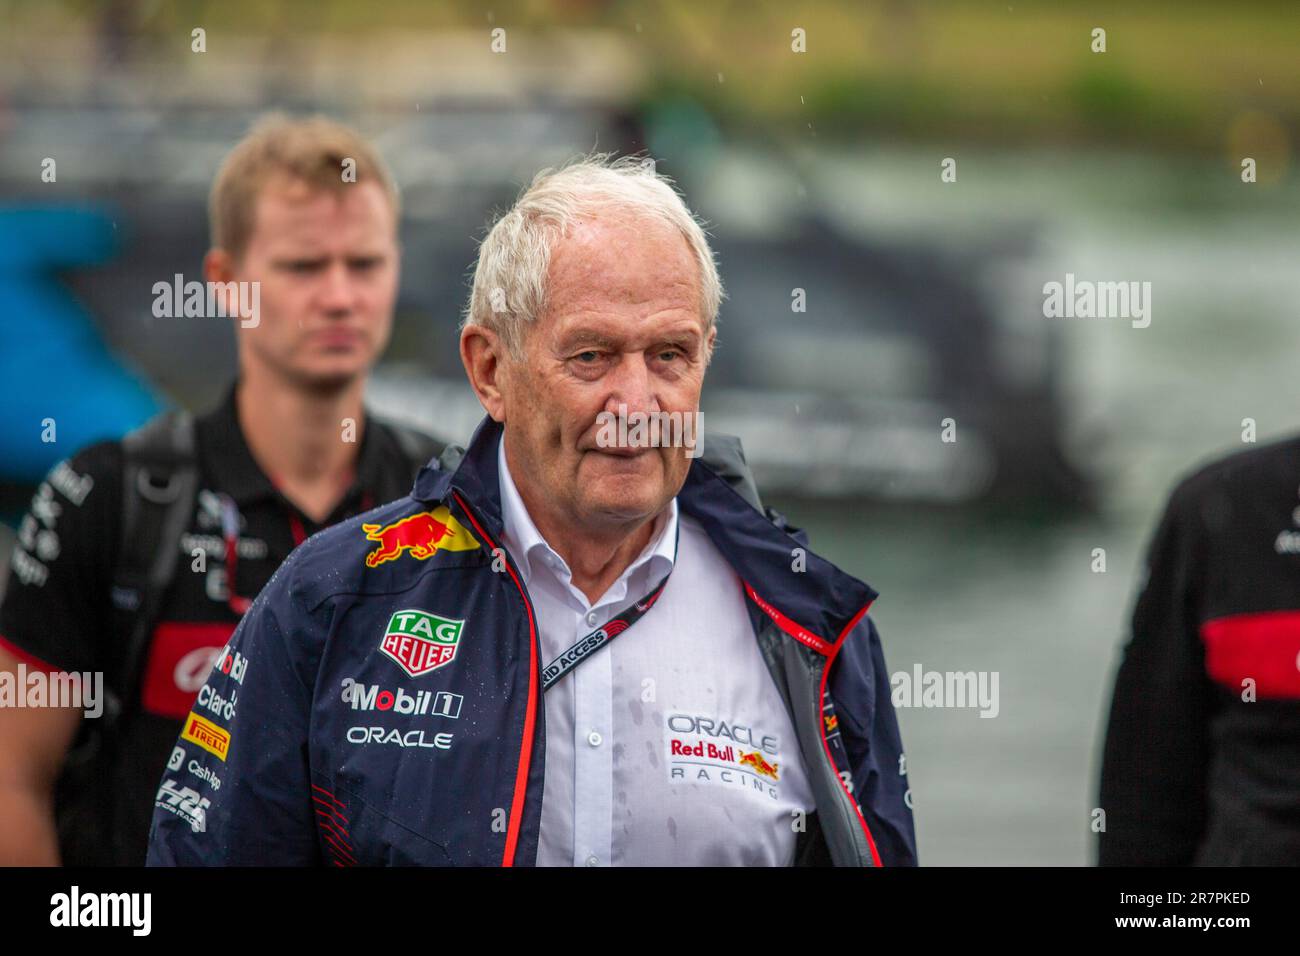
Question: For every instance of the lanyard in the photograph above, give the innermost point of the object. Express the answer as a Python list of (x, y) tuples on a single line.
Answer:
[(230, 532), (586, 646), (230, 535)]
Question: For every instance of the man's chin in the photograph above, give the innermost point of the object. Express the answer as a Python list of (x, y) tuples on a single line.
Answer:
[(611, 512), (330, 376), (623, 489), (623, 500)]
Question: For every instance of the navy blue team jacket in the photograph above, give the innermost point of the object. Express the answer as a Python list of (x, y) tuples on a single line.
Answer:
[(381, 701)]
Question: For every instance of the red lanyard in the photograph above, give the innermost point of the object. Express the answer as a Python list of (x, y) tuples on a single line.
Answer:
[(230, 534), (295, 528)]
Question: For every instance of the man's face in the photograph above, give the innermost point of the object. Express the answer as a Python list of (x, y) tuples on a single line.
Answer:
[(328, 267), (622, 327)]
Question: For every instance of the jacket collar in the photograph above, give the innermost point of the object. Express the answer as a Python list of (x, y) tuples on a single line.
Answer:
[(820, 598)]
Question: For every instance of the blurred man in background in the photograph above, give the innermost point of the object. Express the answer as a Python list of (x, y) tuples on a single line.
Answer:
[(1202, 755), (139, 557)]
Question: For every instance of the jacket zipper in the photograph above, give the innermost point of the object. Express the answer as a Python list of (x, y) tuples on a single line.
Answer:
[(828, 652), (517, 801), (826, 747)]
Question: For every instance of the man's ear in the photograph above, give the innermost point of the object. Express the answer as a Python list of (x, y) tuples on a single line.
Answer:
[(483, 354), (219, 266), (709, 342)]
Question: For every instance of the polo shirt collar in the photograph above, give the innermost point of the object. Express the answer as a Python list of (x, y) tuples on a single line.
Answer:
[(232, 468)]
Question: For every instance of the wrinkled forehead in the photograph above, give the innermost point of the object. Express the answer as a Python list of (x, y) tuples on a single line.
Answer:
[(622, 265)]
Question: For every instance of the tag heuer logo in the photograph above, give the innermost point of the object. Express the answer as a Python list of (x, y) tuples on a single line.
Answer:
[(419, 641)]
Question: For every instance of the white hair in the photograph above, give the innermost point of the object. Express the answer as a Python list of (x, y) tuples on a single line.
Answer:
[(513, 260)]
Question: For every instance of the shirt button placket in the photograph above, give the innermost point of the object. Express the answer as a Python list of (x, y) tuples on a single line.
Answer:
[(593, 796)]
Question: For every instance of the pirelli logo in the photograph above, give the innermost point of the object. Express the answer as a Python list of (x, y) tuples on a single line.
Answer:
[(213, 739)]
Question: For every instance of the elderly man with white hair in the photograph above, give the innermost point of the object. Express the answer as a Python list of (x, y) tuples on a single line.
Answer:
[(581, 643)]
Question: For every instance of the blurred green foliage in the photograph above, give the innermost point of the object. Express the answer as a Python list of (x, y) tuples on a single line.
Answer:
[(1173, 74)]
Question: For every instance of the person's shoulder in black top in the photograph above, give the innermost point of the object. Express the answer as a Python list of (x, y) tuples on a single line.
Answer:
[(57, 613), (56, 602), (1207, 677)]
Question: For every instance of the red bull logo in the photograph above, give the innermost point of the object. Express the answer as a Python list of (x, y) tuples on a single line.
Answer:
[(421, 536), (758, 764)]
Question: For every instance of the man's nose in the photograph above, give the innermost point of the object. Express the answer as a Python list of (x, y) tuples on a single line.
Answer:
[(632, 386), (338, 291)]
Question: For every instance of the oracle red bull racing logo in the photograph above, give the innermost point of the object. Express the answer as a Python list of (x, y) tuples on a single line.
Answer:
[(421, 536), (420, 642), (707, 749)]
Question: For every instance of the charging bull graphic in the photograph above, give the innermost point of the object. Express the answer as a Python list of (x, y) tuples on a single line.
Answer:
[(421, 535), (760, 765)]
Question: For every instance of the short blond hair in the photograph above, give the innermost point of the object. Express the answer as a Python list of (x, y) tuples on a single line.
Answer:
[(311, 150), (510, 276)]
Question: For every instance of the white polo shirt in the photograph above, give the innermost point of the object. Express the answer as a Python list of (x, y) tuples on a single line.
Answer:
[(671, 745)]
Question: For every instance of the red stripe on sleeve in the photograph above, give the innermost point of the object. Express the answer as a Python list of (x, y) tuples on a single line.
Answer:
[(1264, 647)]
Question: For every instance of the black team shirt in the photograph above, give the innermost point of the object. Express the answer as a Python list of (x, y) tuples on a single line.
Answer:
[(1202, 754), (56, 612)]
